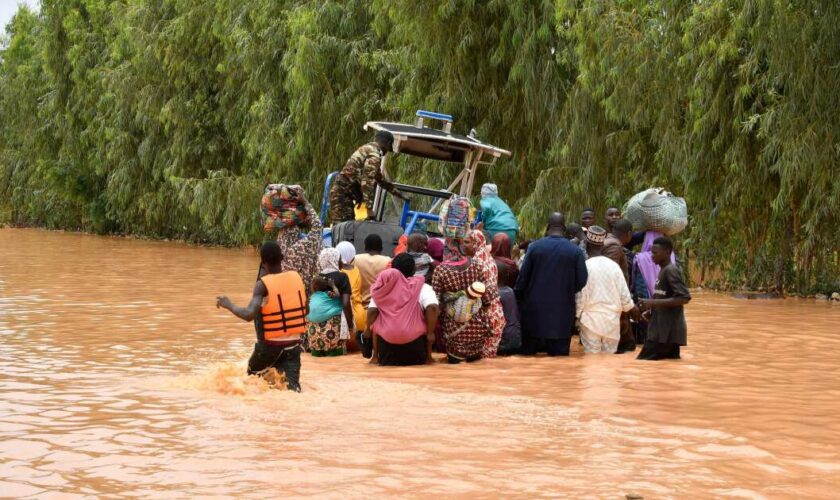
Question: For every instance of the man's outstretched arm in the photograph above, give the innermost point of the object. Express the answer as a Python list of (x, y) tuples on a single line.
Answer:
[(249, 312)]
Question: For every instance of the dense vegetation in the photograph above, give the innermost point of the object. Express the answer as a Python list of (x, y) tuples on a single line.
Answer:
[(164, 118)]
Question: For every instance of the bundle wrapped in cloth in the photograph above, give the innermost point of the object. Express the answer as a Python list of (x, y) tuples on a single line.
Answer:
[(655, 209), (282, 207), (455, 217)]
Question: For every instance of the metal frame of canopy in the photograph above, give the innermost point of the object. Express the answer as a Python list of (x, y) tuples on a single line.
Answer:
[(437, 144)]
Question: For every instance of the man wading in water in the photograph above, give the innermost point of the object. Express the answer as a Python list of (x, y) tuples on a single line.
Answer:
[(277, 308)]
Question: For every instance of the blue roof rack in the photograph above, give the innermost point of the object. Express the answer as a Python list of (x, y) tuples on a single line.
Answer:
[(433, 115), (447, 119)]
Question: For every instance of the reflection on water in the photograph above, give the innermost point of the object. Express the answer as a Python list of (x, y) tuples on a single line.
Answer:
[(120, 376)]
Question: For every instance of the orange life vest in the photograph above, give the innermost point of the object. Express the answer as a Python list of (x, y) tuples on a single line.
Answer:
[(284, 310)]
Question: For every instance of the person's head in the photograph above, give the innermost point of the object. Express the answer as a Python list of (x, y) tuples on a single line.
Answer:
[(270, 255), (489, 189), (404, 263), (435, 249), (500, 245), (595, 237), (556, 225), (573, 230), (473, 243), (347, 252), (587, 217), (417, 242), (329, 260), (661, 250), (476, 290), (321, 284), (373, 244), (623, 230), (385, 140), (612, 215)]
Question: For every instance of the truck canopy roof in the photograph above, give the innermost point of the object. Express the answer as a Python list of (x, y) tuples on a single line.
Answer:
[(433, 143)]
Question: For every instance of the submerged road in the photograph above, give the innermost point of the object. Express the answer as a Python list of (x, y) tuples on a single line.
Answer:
[(119, 376)]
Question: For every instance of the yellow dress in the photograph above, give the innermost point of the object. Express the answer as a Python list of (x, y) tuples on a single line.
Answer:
[(359, 312)]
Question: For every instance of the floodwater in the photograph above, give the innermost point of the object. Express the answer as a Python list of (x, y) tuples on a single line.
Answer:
[(119, 376)]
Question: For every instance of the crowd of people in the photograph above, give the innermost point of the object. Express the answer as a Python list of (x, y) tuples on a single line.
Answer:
[(467, 298)]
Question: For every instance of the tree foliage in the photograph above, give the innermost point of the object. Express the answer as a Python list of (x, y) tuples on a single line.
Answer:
[(165, 118)]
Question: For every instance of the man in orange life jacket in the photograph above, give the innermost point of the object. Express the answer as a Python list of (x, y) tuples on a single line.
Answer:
[(278, 309)]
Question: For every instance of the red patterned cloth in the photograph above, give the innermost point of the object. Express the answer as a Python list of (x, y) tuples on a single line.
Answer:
[(463, 340), (490, 278)]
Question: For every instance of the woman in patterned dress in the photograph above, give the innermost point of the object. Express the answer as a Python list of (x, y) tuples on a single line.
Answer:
[(477, 248), (325, 337), (464, 341)]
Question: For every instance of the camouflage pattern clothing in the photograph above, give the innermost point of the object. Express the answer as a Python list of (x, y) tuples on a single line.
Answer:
[(356, 183)]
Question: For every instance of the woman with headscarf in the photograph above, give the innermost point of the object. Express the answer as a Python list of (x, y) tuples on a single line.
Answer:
[(324, 336), (435, 249), (403, 313), (501, 252), (643, 278), (464, 341), (301, 254), (496, 215), (348, 255), (477, 248)]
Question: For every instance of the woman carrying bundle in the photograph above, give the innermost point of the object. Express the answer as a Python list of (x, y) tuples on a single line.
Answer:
[(324, 320), (402, 315)]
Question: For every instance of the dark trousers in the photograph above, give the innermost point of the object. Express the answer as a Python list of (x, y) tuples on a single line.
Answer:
[(653, 350), (552, 347), (640, 332), (285, 360)]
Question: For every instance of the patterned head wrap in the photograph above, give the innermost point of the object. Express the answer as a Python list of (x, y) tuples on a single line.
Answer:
[(328, 260)]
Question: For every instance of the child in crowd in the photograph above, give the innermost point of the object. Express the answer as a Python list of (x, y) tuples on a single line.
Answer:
[(667, 330), (324, 302), (461, 306)]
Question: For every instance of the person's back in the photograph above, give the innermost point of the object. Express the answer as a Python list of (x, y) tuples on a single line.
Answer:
[(371, 264), (605, 295), (548, 283), (512, 334), (277, 308), (496, 215), (553, 272)]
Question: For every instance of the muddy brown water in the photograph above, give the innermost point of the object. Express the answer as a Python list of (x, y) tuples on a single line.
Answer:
[(119, 376)]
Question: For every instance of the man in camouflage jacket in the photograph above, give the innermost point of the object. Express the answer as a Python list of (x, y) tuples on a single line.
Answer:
[(356, 183)]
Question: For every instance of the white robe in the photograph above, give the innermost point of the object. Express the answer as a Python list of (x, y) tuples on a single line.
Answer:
[(600, 304)]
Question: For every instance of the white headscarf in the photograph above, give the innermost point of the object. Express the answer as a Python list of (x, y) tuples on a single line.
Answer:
[(347, 251), (328, 260), (489, 190)]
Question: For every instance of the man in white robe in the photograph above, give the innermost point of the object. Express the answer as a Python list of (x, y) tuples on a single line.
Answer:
[(602, 300)]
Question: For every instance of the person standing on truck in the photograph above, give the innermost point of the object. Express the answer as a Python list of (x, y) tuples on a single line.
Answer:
[(356, 183)]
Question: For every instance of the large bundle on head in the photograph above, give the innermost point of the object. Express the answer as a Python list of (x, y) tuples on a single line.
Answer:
[(282, 207), (655, 209), (455, 217)]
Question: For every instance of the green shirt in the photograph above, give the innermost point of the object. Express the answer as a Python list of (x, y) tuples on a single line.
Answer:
[(497, 215)]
